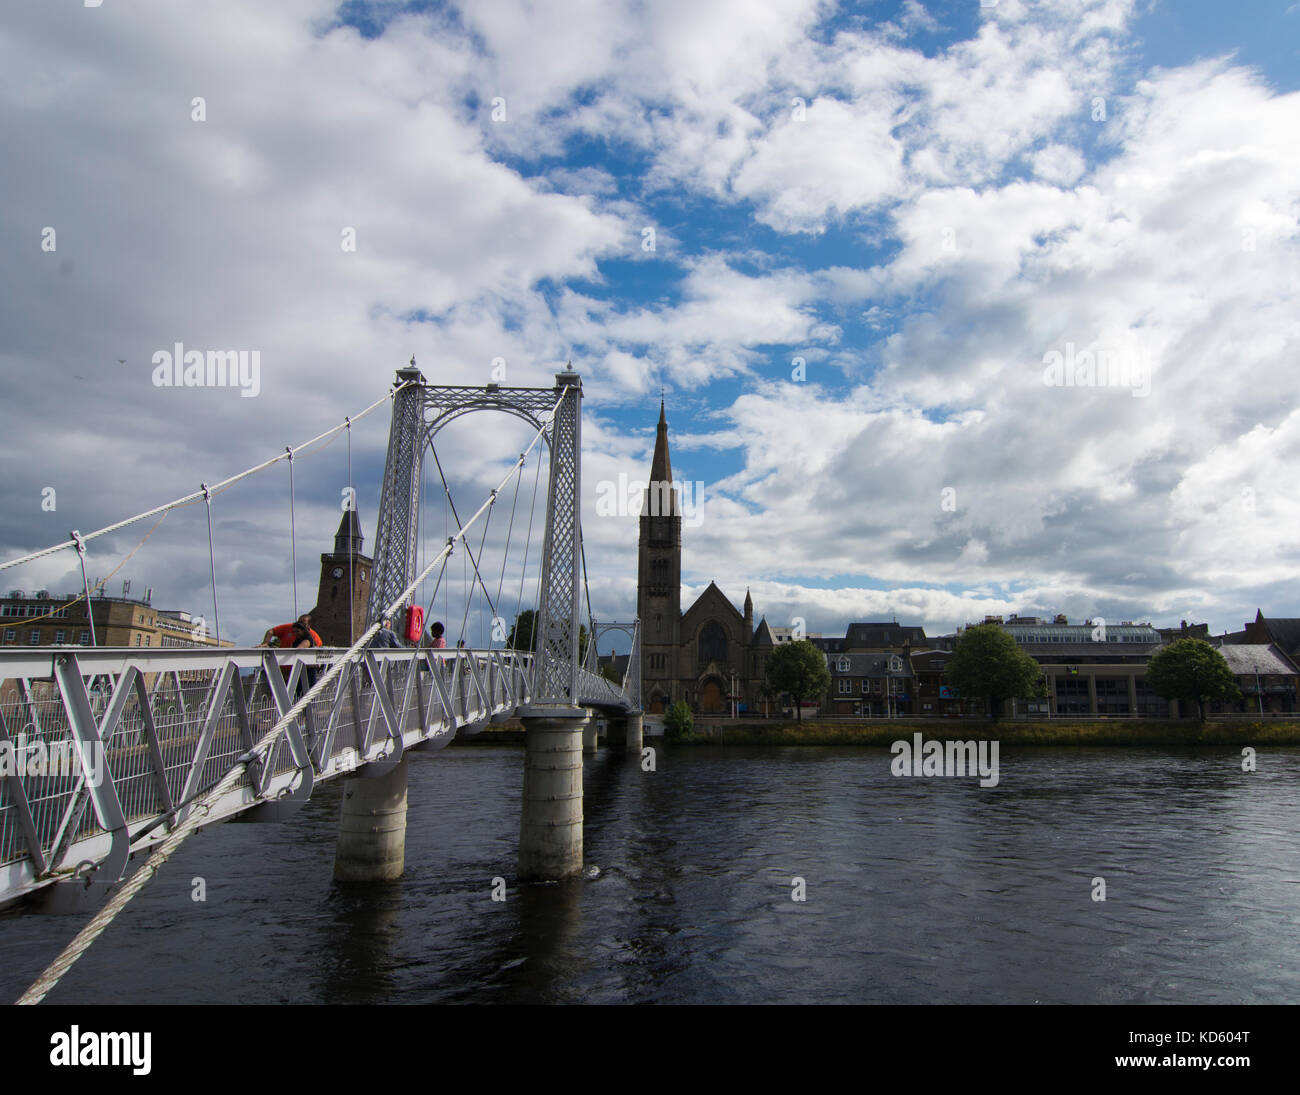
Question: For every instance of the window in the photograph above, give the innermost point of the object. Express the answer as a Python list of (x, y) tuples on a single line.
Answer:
[(846, 685), (60, 636), (34, 639), (137, 640), (11, 634), (713, 642), (84, 638), (844, 665), (866, 685)]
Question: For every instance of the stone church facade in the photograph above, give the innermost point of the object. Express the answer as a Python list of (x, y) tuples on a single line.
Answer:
[(712, 652)]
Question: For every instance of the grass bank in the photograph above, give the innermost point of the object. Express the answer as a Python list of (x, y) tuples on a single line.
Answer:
[(1154, 732)]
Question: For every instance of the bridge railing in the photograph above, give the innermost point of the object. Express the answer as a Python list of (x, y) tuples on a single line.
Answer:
[(102, 750)]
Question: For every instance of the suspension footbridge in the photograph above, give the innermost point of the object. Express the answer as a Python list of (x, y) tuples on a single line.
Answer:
[(163, 742)]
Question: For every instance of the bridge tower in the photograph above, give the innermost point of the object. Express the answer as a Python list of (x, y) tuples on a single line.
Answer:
[(550, 838)]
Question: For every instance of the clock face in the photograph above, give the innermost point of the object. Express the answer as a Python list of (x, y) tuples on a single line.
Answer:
[(338, 572)]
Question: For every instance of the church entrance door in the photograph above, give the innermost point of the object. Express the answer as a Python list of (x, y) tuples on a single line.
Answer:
[(711, 698)]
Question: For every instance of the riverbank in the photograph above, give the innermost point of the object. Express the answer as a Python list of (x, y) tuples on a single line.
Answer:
[(1089, 732), (1086, 732)]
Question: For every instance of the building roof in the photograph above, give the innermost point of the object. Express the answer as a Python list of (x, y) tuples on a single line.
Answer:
[(349, 529), (1245, 660), (1284, 631), (867, 665), (883, 633)]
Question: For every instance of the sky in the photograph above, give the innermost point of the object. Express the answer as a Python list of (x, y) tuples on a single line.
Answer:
[(956, 308)]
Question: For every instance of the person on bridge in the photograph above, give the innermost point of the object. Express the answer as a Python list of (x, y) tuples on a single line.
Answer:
[(436, 641), (288, 635), (386, 636), (297, 635)]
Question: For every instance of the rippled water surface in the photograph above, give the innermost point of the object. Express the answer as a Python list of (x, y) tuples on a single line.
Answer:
[(917, 890)]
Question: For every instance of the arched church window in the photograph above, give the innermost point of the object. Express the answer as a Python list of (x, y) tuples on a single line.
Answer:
[(713, 642)]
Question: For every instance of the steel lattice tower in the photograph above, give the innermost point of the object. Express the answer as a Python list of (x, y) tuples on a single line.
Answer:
[(420, 410)]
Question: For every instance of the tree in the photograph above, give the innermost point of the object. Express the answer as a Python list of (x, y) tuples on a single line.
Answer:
[(521, 635), (799, 669), (610, 672), (1191, 669), (678, 724), (987, 662)]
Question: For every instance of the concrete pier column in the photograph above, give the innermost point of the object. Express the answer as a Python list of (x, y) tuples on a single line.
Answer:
[(589, 737), (632, 733), (550, 824), (372, 828)]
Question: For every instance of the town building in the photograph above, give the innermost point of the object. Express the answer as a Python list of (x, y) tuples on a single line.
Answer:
[(45, 619), (1267, 679), (1091, 668), (879, 684)]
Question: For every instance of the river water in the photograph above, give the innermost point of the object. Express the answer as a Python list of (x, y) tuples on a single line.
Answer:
[(916, 890)]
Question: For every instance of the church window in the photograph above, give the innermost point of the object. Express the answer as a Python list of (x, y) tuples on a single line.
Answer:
[(713, 642)]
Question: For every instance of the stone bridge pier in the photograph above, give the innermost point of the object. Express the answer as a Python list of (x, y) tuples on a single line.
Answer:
[(550, 825), (625, 733)]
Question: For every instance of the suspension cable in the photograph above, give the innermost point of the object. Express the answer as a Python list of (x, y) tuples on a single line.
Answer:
[(212, 563), (505, 555), (293, 535), (532, 512), (470, 598), (468, 550), (196, 495), (352, 509), (85, 583)]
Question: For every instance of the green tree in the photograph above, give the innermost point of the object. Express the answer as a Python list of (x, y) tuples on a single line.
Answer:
[(1191, 669), (987, 662), (610, 672), (678, 724), (799, 669), (521, 634)]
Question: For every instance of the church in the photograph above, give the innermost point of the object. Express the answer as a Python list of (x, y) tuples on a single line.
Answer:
[(711, 653)]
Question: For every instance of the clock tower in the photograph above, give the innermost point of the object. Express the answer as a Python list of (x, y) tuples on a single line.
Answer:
[(344, 584)]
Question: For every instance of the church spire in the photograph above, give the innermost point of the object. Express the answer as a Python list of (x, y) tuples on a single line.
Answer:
[(661, 469), (661, 496)]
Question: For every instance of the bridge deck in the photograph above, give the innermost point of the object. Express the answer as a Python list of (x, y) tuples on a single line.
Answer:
[(103, 750)]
